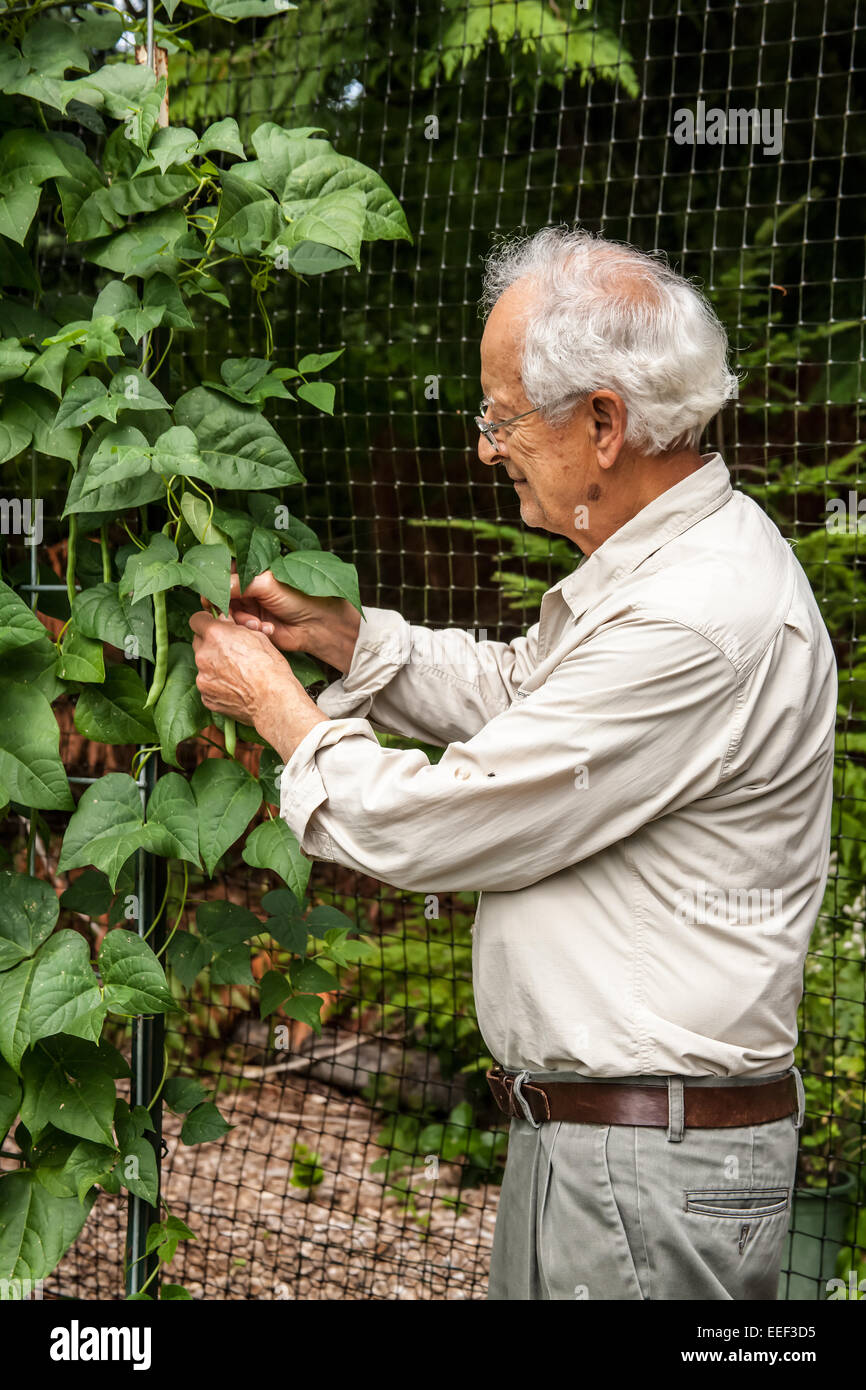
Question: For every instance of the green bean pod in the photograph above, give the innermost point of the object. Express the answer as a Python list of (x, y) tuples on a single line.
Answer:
[(160, 639), (231, 736)]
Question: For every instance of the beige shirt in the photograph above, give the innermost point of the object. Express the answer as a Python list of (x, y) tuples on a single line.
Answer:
[(640, 787)]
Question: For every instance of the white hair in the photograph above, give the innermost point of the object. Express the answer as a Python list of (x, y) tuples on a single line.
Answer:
[(604, 315)]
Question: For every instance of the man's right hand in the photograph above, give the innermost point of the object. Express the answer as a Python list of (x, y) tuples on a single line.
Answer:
[(326, 628)]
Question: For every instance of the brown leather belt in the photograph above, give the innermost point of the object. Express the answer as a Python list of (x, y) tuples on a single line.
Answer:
[(618, 1103)]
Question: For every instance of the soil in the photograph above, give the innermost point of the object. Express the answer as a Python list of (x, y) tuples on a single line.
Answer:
[(259, 1237)]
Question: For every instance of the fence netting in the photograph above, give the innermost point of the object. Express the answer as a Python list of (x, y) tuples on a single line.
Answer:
[(365, 1163)]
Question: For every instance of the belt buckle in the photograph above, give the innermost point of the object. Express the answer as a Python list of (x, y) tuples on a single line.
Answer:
[(521, 1100)]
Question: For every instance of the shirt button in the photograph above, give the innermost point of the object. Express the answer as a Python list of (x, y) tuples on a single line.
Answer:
[(462, 773)]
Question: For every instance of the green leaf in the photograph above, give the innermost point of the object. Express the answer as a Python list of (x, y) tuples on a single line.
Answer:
[(203, 1124), (90, 894), (198, 514), (179, 713), (15, 1012), (306, 1008), (30, 769), (114, 712), (325, 173), (19, 625), (319, 573), (256, 548), (225, 925), (281, 151), (122, 456), (150, 245), (310, 978), (63, 986), (107, 827), (102, 614), (28, 915), (172, 819), (119, 497), (14, 359), (272, 845), (273, 990), (164, 1237), (234, 10), (68, 1084), (134, 980), (338, 219), (69, 1167), (211, 572), (305, 669), (324, 919), (309, 258), (147, 192), (136, 1168), (14, 438), (249, 218), (120, 89), (51, 47), (10, 1097), (238, 449), (19, 200), (162, 292), (80, 658), (318, 361), (233, 967), (169, 146), (152, 570), (222, 135), (35, 665), (318, 393), (36, 1228), (228, 798), (32, 409), (47, 369), (188, 955), (181, 1093)]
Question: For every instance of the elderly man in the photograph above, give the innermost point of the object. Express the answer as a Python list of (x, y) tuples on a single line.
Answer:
[(640, 787)]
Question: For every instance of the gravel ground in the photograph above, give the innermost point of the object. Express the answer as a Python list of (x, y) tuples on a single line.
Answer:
[(259, 1237)]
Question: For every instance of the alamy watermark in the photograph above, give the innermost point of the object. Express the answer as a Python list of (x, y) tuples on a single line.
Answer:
[(705, 906), (738, 126), (19, 518)]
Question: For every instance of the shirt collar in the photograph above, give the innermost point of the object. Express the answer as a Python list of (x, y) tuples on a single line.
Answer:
[(666, 517)]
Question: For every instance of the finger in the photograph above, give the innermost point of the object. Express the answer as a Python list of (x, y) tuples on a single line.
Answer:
[(201, 622)]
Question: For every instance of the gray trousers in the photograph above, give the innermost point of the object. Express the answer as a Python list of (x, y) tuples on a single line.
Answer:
[(636, 1212)]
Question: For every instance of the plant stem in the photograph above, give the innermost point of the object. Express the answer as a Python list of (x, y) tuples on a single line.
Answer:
[(106, 553), (70, 558)]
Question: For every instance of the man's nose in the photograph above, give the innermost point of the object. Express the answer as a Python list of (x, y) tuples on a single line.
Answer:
[(487, 452)]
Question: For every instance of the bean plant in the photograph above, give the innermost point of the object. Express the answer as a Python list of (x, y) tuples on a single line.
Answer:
[(161, 498)]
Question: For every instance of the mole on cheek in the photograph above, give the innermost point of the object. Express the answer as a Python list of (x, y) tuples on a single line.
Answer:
[(593, 492)]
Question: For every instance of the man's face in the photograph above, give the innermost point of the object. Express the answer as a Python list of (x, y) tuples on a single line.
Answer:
[(554, 471)]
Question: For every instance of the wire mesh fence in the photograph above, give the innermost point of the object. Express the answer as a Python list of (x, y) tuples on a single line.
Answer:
[(365, 1162)]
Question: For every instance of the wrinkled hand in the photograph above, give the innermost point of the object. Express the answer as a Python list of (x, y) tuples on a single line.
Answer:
[(241, 676), (296, 622)]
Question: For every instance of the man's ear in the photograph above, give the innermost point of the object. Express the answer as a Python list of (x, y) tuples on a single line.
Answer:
[(608, 416)]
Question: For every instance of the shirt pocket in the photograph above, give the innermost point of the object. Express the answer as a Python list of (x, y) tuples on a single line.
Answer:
[(747, 1204)]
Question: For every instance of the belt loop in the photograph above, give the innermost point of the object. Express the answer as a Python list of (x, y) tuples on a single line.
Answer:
[(797, 1120), (517, 1092), (676, 1110)]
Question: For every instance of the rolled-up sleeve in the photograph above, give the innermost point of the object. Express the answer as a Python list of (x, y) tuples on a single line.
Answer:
[(632, 723), (425, 683)]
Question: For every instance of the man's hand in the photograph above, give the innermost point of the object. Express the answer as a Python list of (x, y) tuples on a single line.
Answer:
[(324, 627), (242, 677)]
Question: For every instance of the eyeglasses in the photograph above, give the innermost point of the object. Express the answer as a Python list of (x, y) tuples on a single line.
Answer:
[(489, 427)]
